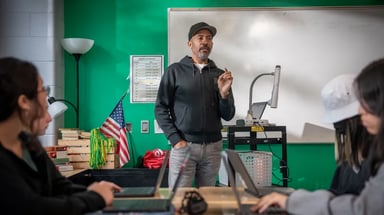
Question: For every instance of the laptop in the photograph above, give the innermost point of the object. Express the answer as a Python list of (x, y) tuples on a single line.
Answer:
[(146, 191), (244, 209), (148, 205), (258, 109), (249, 185)]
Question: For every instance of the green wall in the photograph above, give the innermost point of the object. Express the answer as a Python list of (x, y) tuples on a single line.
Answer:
[(122, 28)]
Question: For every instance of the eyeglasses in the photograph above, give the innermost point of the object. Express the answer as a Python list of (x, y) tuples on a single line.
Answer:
[(46, 89)]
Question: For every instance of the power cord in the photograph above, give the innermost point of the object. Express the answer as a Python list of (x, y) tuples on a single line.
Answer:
[(283, 163)]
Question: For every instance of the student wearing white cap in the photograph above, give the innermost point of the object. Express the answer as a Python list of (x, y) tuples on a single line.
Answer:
[(369, 88), (352, 139)]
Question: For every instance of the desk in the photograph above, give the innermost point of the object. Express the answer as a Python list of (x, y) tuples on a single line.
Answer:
[(220, 200), (253, 135), (72, 172), (124, 177)]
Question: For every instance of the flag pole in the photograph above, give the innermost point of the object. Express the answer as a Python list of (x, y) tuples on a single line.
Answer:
[(121, 98), (116, 120), (124, 94)]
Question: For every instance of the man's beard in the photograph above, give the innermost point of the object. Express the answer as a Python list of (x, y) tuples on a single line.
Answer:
[(203, 55)]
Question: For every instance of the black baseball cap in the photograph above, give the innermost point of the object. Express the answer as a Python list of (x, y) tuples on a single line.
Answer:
[(199, 26)]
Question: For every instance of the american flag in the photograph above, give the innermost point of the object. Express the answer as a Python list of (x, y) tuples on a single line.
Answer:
[(114, 126)]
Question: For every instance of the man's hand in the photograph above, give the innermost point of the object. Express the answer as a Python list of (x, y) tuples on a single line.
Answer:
[(224, 83), (180, 144)]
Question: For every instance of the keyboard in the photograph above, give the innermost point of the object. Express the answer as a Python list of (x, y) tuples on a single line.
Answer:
[(139, 205), (136, 192), (274, 210)]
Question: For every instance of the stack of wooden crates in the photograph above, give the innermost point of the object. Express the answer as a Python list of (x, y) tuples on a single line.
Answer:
[(79, 152)]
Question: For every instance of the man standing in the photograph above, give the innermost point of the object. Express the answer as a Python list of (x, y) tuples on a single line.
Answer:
[(194, 94)]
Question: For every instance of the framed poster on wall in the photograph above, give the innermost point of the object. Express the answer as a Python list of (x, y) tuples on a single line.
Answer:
[(145, 76)]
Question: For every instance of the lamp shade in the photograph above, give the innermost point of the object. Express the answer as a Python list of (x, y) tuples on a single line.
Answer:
[(56, 109), (77, 45)]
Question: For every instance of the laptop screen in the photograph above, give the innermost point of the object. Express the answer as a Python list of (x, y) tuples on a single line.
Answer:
[(235, 161), (258, 109)]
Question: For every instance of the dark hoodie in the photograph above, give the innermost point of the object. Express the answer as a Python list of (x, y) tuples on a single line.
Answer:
[(42, 191), (189, 106)]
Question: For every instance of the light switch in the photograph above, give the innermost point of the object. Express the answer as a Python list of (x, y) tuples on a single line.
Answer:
[(145, 126)]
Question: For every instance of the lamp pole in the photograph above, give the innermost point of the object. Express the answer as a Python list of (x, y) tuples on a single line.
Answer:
[(251, 92), (77, 47), (77, 58)]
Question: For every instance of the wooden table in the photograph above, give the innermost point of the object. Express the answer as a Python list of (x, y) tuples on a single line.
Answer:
[(220, 200), (73, 172)]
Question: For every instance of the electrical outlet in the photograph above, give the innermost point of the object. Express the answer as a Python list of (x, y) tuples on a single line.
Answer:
[(144, 126), (128, 126)]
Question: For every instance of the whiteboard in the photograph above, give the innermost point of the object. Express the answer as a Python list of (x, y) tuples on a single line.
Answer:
[(312, 45)]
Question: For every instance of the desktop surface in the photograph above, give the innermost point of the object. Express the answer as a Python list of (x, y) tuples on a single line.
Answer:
[(220, 200)]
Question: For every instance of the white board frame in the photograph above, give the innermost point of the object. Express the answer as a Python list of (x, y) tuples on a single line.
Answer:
[(312, 45)]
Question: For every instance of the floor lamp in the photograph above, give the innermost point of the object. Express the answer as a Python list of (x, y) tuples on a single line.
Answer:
[(77, 47)]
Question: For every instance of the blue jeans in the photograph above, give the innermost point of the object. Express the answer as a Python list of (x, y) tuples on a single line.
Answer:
[(203, 165)]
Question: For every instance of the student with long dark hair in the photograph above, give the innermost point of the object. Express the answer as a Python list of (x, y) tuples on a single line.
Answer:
[(369, 88), (30, 183), (352, 139)]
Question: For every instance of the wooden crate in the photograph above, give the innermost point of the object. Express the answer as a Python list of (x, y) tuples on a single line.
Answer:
[(85, 165), (72, 143), (79, 154), (85, 157)]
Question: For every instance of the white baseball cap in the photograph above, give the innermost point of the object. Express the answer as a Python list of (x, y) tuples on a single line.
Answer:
[(339, 99)]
